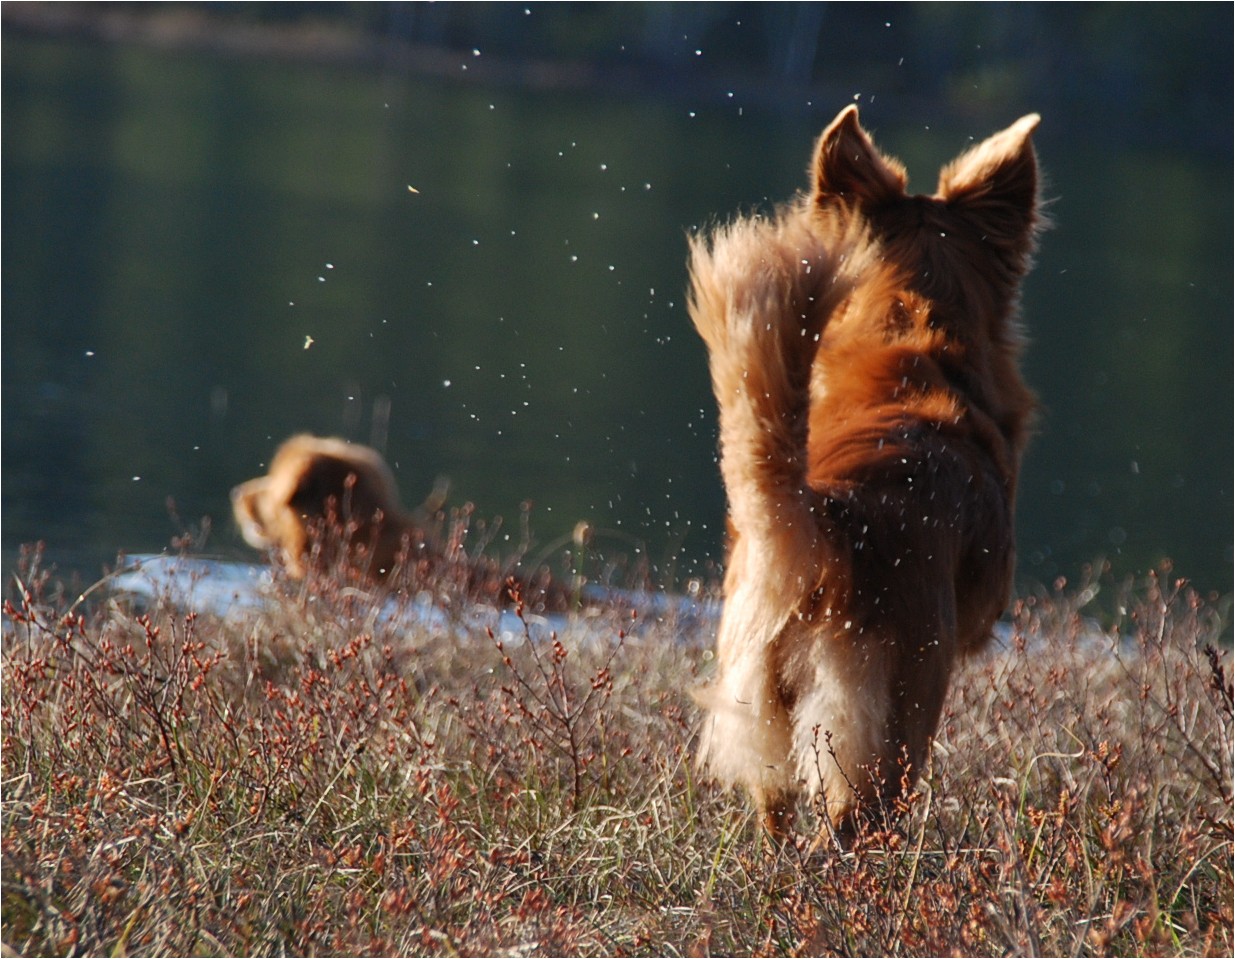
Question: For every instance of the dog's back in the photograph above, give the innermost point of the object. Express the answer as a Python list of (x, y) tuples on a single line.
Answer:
[(326, 493), (863, 349)]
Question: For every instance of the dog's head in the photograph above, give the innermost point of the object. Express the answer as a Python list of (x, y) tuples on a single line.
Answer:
[(962, 250), (949, 265)]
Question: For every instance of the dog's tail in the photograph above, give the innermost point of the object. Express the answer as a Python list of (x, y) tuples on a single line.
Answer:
[(762, 292)]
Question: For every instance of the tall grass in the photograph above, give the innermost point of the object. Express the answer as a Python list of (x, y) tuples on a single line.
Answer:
[(312, 779)]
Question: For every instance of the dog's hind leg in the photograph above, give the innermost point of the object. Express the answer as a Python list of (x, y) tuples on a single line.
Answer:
[(841, 720), (862, 722), (746, 737)]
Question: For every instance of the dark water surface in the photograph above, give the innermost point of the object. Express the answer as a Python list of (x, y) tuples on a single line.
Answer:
[(176, 227)]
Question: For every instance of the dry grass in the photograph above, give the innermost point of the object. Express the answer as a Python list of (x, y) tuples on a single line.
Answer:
[(307, 780)]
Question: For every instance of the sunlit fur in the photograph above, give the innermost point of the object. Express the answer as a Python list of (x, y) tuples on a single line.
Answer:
[(336, 496), (863, 348)]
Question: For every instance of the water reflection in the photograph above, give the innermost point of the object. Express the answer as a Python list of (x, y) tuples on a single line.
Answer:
[(203, 256)]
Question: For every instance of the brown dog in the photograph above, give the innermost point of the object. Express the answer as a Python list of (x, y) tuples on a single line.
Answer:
[(329, 505), (336, 495), (863, 348)]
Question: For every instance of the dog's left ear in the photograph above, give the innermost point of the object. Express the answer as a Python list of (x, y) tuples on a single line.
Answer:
[(849, 168), (996, 184)]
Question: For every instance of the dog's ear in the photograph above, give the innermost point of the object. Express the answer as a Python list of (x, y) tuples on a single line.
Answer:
[(848, 167), (251, 506), (996, 184)]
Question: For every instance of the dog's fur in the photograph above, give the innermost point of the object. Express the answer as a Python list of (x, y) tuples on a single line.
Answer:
[(863, 347), (330, 506), (318, 486)]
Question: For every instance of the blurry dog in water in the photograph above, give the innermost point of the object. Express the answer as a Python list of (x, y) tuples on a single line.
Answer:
[(326, 500), (327, 505), (863, 348)]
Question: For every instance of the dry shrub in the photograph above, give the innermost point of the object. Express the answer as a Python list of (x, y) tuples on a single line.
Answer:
[(322, 778)]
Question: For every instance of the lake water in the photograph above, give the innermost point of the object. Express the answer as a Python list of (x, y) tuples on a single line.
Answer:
[(203, 255)]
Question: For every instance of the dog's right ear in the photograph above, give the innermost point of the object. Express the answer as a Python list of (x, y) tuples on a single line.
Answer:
[(996, 185), (850, 169)]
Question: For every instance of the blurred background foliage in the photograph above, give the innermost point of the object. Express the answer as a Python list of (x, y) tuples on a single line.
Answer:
[(1119, 65)]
